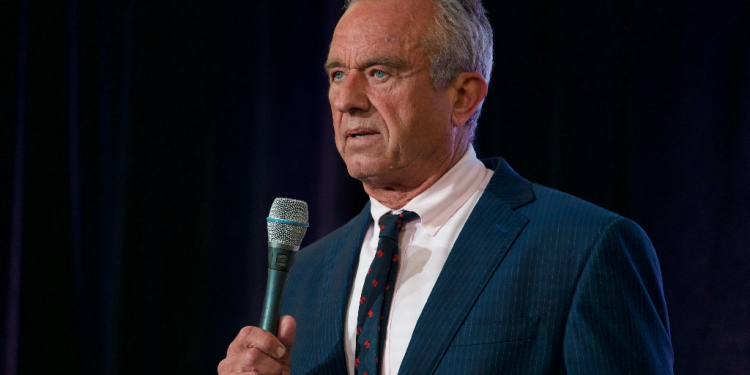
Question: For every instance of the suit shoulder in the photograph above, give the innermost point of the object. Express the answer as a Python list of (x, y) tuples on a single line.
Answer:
[(329, 241), (330, 238), (550, 201), (557, 212)]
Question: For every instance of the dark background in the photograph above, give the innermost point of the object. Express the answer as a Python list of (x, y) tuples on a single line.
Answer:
[(142, 143)]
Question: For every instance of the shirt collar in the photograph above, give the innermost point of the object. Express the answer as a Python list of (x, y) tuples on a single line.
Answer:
[(441, 200)]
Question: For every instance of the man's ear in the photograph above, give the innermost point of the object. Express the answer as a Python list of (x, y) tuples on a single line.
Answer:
[(470, 89)]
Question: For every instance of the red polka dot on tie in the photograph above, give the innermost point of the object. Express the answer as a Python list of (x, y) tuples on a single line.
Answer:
[(359, 330), (386, 287), (376, 359), (382, 227), (362, 300), (369, 314), (367, 344), (380, 253), (368, 270), (356, 361), (395, 257), (374, 283)]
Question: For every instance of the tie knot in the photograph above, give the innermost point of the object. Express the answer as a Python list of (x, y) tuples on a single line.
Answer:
[(390, 224)]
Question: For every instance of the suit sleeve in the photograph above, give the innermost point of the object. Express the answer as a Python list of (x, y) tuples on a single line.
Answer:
[(618, 321)]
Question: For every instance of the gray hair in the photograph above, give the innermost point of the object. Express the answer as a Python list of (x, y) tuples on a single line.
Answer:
[(460, 41)]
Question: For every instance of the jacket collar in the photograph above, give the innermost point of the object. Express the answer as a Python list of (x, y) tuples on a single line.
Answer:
[(507, 185)]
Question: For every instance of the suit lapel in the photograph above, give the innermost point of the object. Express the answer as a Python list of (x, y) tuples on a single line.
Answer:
[(482, 244), (342, 260)]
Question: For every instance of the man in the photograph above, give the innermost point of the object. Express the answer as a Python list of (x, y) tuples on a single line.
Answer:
[(495, 275)]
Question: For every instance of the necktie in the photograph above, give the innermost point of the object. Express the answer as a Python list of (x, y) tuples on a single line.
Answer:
[(377, 293)]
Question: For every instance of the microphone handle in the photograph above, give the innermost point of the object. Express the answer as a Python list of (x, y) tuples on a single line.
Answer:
[(280, 259)]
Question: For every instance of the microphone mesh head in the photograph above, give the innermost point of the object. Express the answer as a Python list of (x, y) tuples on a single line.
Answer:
[(291, 210)]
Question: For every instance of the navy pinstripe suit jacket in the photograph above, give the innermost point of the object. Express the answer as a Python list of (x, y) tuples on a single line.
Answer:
[(538, 282)]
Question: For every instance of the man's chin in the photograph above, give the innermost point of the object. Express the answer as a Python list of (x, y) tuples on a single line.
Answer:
[(361, 175), (367, 174)]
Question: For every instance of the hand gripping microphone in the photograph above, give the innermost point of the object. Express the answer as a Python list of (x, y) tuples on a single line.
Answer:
[(287, 224)]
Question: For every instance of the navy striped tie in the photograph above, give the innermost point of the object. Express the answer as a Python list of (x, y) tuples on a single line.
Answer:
[(377, 293)]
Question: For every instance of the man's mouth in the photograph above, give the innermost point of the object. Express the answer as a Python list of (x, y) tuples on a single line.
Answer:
[(360, 133)]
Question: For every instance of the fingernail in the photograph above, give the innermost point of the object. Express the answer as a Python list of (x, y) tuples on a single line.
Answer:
[(280, 351)]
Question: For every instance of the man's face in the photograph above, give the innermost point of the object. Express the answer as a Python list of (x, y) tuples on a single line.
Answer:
[(393, 128)]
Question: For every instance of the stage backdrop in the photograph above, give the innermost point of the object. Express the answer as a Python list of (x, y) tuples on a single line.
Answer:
[(142, 143)]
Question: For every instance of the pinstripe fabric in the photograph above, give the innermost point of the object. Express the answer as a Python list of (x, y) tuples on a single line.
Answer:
[(538, 282)]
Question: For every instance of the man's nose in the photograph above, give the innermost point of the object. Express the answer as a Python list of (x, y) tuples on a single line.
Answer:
[(350, 96)]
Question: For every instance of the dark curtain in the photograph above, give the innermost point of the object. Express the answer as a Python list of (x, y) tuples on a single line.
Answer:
[(142, 142)]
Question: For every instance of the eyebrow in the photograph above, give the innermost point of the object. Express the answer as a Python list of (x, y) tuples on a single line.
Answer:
[(331, 64), (394, 63)]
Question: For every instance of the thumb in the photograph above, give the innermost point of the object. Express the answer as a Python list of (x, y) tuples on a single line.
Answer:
[(287, 330)]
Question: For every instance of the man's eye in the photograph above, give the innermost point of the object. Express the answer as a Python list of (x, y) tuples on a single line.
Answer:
[(338, 75), (379, 74)]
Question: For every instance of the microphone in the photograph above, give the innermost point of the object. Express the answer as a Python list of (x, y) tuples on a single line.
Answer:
[(287, 224)]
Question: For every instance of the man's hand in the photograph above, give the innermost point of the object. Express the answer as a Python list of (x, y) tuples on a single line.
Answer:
[(255, 351)]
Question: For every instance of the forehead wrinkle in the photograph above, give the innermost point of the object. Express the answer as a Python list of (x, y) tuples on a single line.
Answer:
[(357, 37), (397, 58)]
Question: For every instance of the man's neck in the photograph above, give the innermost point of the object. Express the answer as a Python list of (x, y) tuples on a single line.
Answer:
[(397, 196)]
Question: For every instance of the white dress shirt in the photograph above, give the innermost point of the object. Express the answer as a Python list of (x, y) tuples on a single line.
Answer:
[(424, 245)]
